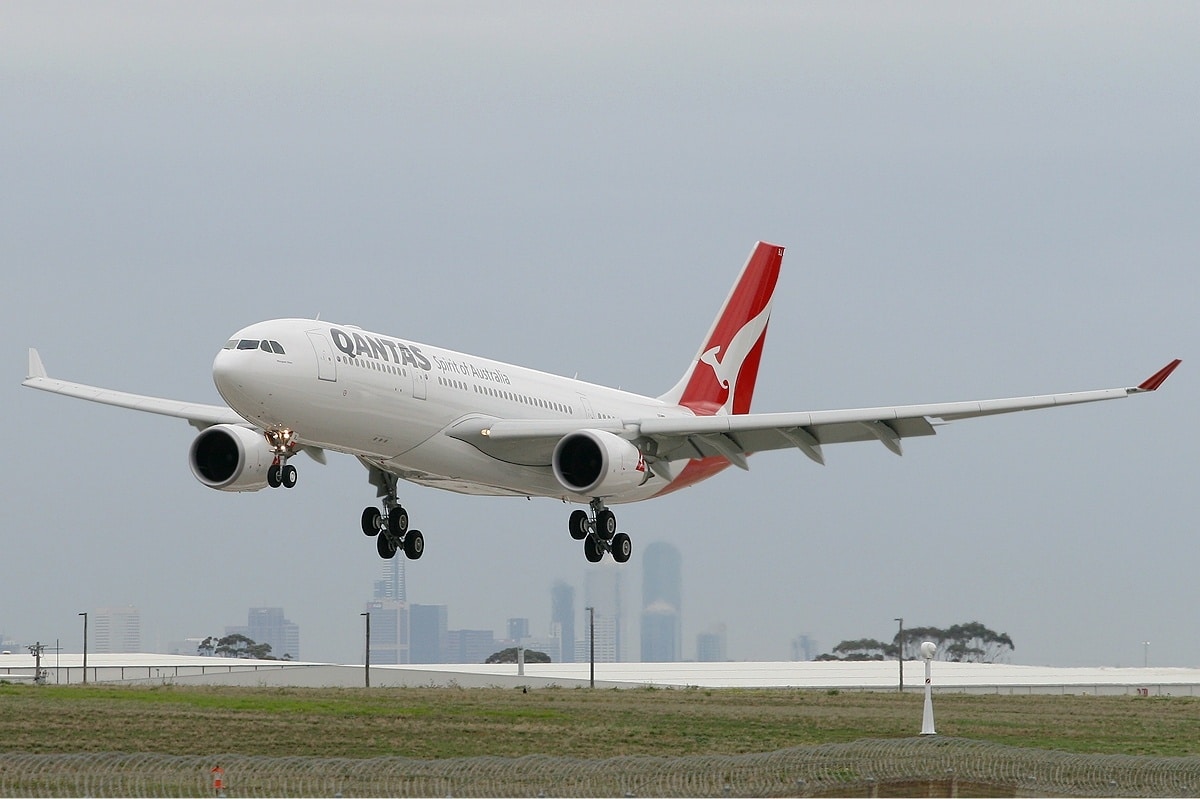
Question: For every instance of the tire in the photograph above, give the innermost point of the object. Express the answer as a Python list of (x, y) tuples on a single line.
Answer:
[(592, 549), (370, 521), (387, 550), (398, 522), (622, 548), (578, 525), (606, 524), (287, 476), (273, 477), (414, 544)]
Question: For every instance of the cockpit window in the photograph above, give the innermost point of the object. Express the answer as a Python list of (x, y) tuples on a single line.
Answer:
[(266, 345)]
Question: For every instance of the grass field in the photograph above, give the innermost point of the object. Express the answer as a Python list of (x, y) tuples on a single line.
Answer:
[(449, 722)]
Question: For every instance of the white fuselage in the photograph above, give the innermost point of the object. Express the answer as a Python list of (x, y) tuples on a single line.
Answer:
[(395, 404)]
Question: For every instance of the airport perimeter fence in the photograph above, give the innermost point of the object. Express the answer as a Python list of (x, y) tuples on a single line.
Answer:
[(930, 766)]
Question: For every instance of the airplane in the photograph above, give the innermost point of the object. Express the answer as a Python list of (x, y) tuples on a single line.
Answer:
[(427, 415)]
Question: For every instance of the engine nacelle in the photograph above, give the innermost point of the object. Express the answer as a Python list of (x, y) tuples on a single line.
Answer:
[(596, 463), (231, 458)]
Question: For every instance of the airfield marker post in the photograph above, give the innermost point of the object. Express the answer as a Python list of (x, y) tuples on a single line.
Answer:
[(928, 650)]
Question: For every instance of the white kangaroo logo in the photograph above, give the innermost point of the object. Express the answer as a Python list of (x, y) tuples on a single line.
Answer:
[(727, 368)]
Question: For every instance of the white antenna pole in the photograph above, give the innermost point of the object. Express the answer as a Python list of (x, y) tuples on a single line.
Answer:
[(928, 650)]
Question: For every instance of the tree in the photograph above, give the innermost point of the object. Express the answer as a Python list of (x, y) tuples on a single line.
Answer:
[(239, 646), (207, 647), (962, 643), (974, 643), (862, 649), (510, 656)]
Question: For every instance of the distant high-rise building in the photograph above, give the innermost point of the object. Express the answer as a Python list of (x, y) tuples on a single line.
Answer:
[(562, 619), (268, 626), (391, 585), (389, 631), (427, 634), (550, 647), (389, 615), (606, 641), (804, 647), (518, 629), (602, 591), (471, 646), (710, 646), (116, 630), (662, 600)]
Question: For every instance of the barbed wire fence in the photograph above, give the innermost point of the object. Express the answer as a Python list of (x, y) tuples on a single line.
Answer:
[(930, 766)]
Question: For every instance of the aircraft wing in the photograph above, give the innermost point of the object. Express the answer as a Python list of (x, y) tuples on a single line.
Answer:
[(198, 415), (735, 436)]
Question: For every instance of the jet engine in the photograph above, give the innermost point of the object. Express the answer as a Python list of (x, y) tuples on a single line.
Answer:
[(231, 458), (596, 463)]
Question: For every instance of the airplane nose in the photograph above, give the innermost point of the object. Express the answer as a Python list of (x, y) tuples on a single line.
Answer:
[(259, 370), (228, 370), (242, 371)]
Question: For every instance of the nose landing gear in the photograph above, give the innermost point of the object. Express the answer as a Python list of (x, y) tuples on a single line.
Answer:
[(598, 532), (283, 444)]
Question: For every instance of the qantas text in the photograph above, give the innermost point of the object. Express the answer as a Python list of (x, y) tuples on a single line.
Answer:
[(356, 345)]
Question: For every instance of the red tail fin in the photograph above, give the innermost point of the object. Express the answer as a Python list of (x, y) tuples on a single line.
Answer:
[(722, 375)]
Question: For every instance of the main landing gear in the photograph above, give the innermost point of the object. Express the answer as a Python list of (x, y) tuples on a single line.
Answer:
[(598, 532), (283, 444), (390, 526)]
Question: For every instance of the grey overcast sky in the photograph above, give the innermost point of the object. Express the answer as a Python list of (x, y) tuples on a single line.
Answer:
[(978, 200)]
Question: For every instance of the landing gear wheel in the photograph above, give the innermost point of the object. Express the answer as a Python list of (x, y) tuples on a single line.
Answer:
[(606, 524), (371, 521), (397, 522), (592, 549), (287, 476), (578, 525), (414, 544), (622, 547), (274, 480), (386, 547)]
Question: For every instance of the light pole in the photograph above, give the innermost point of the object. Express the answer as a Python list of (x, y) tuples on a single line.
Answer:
[(84, 647), (592, 645), (900, 652), (367, 651), (1145, 654)]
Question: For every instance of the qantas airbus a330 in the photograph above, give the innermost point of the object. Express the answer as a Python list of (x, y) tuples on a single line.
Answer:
[(434, 417)]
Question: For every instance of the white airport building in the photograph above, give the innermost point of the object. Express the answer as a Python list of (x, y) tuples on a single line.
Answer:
[(65, 668)]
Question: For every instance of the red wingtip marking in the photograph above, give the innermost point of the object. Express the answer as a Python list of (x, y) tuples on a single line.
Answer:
[(1159, 377)]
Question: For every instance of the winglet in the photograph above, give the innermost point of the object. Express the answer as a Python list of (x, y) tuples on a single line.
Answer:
[(36, 368), (1158, 378)]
